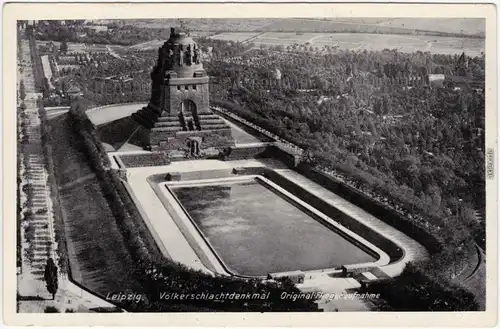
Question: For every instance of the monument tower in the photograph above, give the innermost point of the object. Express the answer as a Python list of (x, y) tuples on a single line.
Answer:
[(178, 115)]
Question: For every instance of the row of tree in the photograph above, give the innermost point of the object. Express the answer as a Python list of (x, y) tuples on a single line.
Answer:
[(41, 84)]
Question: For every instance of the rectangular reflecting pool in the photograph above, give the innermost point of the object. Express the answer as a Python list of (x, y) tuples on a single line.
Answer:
[(256, 231)]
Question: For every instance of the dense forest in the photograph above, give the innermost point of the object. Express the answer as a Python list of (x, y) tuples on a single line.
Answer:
[(77, 32)]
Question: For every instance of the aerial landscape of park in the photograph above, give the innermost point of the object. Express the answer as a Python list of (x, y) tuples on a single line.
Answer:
[(251, 165)]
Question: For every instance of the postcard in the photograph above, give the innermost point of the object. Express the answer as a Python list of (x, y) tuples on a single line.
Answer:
[(222, 164)]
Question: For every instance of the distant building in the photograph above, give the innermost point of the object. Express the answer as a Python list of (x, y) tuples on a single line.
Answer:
[(96, 29), (436, 79), (73, 92), (461, 79)]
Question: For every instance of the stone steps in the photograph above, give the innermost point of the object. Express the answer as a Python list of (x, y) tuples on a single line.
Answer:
[(170, 118), (167, 124), (209, 116), (166, 129), (215, 127), (211, 121), (146, 116)]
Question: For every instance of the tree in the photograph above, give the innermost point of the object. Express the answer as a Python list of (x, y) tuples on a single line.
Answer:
[(414, 290), (22, 91), (51, 309), (50, 277), (64, 47)]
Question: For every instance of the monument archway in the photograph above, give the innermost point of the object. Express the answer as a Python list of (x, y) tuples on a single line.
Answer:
[(188, 108)]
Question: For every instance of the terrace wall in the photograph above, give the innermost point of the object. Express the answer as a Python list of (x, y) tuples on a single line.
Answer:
[(267, 151), (240, 153), (143, 160), (207, 174)]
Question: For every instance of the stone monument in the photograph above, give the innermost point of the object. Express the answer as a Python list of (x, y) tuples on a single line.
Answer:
[(178, 116)]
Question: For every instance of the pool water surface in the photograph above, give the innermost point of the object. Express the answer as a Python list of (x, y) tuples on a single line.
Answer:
[(256, 231)]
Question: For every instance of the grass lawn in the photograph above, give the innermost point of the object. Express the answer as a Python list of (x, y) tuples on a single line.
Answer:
[(98, 257)]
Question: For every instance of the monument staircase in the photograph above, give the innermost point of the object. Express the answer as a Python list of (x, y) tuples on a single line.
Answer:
[(151, 119)]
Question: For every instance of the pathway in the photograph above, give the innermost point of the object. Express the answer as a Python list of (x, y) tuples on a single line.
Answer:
[(113, 53), (47, 70)]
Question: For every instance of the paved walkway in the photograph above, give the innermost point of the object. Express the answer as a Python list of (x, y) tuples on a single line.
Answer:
[(169, 237)]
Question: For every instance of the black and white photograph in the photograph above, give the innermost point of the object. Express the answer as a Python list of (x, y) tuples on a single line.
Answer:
[(252, 164)]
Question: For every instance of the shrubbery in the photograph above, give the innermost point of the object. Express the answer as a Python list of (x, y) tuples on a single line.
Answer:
[(415, 290), (51, 309)]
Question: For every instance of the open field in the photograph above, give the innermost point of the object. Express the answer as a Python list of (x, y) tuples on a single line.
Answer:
[(236, 36), (351, 41), (366, 41), (306, 25), (199, 24), (467, 26)]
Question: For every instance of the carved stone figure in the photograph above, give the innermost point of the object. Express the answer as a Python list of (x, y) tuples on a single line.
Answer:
[(170, 58), (188, 54), (181, 56), (196, 56)]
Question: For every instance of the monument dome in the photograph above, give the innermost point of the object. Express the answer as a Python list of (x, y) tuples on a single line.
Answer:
[(181, 55)]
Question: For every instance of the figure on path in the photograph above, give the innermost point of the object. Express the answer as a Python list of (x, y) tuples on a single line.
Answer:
[(50, 277)]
